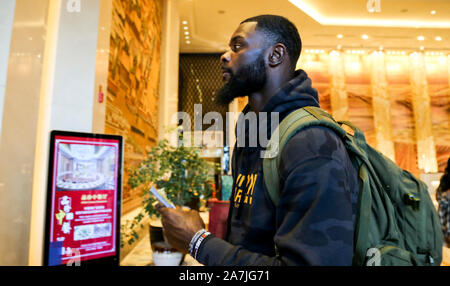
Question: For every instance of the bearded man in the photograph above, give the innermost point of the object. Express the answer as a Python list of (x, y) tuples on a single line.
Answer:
[(313, 222)]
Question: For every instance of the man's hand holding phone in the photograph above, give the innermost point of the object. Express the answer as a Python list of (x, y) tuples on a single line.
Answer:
[(180, 226)]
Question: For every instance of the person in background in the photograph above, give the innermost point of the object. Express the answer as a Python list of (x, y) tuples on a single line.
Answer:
[(313, 222), (443, 198)]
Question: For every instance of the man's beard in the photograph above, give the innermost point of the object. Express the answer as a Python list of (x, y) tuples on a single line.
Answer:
[(248, 79)]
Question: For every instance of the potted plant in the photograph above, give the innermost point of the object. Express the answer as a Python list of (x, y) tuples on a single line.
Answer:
[(180, 171)]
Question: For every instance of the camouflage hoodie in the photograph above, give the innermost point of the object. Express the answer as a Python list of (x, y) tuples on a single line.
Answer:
[(313, 222)]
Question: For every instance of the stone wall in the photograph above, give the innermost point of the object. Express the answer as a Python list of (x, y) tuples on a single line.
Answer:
[(133, 82)]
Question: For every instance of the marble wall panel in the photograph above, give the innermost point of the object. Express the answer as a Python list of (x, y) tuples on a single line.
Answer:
[(357, 87), (422, 113), (439, 92), (403, 128), (361, 110)]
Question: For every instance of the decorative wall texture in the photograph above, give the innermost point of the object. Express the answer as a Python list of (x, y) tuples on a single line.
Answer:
[(200, 78), (133, 81), (400, 101)]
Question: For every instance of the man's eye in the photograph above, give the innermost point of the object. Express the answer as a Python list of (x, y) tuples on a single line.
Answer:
[(237, 46)]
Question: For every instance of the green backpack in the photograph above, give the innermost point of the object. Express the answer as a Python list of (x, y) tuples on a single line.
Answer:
[(396, 222)]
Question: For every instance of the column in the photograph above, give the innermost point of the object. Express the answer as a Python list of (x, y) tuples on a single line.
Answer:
[(170, 49), (381, 106), (6, 25), (101, 69), (426, 151), (22, 73), (338, 94), (67, 87)]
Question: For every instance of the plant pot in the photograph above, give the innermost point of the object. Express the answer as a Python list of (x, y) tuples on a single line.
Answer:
[(166, 255), (194, 204), (156, 235)]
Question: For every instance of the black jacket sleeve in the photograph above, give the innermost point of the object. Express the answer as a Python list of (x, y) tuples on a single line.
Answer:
[(315, 213)]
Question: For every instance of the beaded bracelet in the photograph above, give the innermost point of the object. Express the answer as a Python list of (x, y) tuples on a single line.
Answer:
[(196, 242), (194, 239)]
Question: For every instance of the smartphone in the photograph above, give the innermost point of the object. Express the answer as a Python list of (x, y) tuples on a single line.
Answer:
[(161, 197)]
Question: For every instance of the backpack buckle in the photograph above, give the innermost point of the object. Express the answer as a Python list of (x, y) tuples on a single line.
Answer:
[(412, 200)]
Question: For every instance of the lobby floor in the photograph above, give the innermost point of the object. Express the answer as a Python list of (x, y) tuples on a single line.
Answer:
[(141, 255)]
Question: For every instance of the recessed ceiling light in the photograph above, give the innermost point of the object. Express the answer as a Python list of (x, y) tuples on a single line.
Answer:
[(340, 36), (187, 37), (339, 47), (185, 27), (433, 12), (188, 42), (422, 48), (438, 38), (186, 33), (364, 37), (184, 22), (420, 38)]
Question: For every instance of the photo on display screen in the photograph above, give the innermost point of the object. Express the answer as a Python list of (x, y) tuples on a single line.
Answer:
[(85, 167)]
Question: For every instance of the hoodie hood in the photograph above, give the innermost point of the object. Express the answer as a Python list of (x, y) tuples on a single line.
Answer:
[(295, 94)]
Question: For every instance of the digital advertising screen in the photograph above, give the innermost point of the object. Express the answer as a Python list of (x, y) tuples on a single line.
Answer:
[(83, 199)]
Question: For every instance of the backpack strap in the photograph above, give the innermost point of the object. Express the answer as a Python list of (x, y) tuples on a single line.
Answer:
[(294, 122)]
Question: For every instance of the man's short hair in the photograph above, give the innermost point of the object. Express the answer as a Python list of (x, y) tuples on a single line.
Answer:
[(280, 30)]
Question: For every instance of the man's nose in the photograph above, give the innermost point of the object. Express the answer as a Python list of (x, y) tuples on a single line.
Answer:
[(225, 57)]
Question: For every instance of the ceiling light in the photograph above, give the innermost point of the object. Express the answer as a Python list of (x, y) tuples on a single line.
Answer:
[(186, 33), (433, 12), (340, 36), (422, 48), (364, 37), (318, 14), (339, 47), (438, 38), (188, 42), (420, 38), (184, 22), (185, 27), (187, 37)]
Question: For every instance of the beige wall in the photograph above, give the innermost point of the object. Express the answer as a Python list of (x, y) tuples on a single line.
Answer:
[(66, 103), (19, 129)]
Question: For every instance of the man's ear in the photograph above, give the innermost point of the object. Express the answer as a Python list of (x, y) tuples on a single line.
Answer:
[(277, 55)]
